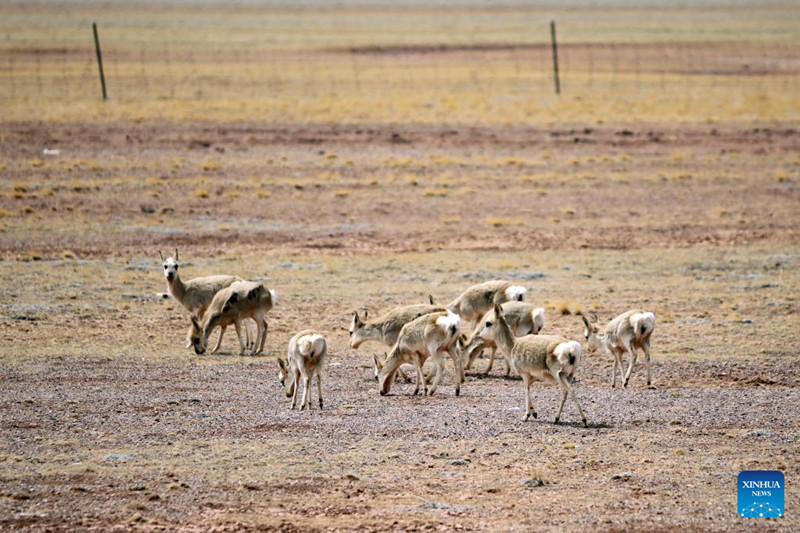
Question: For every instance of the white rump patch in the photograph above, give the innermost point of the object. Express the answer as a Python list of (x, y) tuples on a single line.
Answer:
[(448, 321), (515, 293), (537, 315), (565, 349), (643, 320), (273, 296), (307, 343)]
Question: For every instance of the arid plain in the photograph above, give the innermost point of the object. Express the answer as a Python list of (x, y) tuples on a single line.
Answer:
[(682, 205)]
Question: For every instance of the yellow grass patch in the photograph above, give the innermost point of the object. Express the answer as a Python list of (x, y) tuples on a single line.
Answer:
[(499, 222)]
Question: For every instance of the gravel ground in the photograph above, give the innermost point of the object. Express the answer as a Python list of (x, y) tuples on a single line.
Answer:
[(108, 423)]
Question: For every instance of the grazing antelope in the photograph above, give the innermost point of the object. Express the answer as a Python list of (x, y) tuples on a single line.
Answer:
[(625, 334), (548, 358), (231, 305), (523, 319), (477, 300), (430, 335), (305, 357), (386, 328), (196, 294)]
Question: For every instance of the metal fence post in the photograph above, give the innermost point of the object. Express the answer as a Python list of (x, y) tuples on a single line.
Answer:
[(555, 55), (99, 60)]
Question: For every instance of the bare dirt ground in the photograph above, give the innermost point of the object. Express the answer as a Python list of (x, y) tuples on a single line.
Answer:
[(384, 189), (109, 423)]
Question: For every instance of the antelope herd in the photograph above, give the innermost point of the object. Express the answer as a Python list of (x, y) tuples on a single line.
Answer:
[(488, 316)]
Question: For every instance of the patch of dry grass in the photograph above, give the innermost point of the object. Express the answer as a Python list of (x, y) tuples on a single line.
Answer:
[(499, 222), (432, 192)]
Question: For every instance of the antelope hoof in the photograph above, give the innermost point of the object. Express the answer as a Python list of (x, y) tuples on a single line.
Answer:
[(320, 405), (585, 424), (526, 417), (383, 393), (458, 392), (556, 421), (535, 415)]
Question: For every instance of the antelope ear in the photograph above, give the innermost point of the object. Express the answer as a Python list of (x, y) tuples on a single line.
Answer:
[(366, 314), (378, 363), (431, 300), (176, 255), (233, 299), (586, 322), (356, 318), (195, 323), (281, 364), (498, 311), (161, 255)]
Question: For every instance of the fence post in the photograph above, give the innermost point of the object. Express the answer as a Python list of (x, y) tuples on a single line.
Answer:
[(555, 55), (99, 60)]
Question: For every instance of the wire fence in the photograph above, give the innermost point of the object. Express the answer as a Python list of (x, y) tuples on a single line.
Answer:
[(61, 67)]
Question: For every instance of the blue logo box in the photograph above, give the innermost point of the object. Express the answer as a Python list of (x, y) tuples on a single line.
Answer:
[(761, 494)]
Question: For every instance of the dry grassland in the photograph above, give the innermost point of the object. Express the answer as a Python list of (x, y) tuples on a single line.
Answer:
[(363, 169)]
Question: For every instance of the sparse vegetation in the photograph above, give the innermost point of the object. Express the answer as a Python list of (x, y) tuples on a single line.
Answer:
[(561, 307), (369, 169), (499, 222), (210, 165)]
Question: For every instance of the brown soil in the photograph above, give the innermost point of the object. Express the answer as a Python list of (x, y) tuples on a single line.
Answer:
[(611, 187), (108, 422)]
